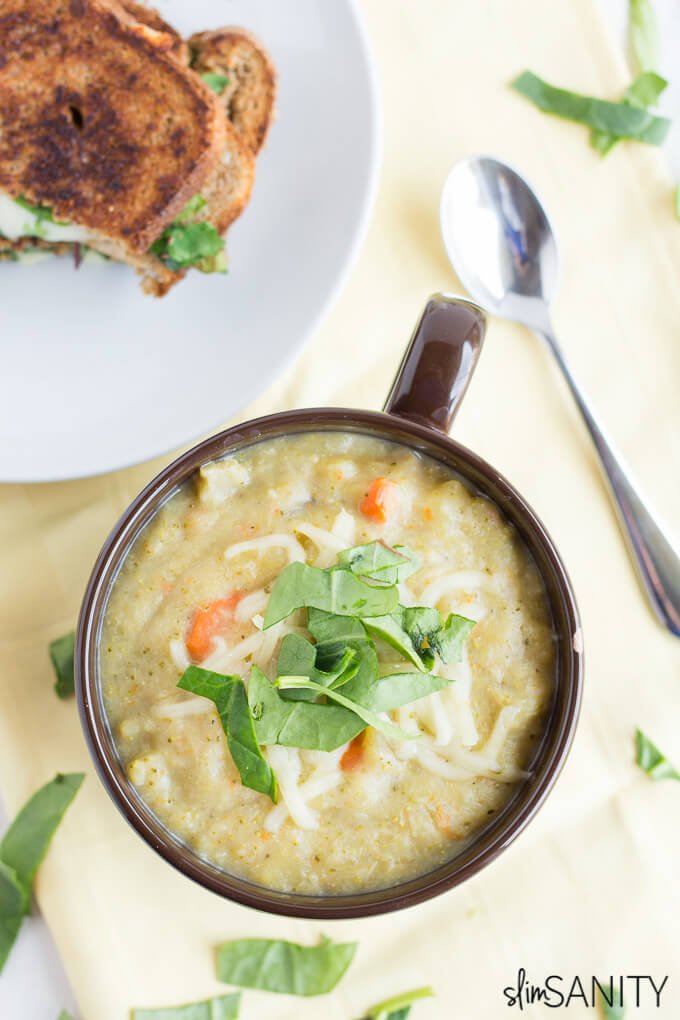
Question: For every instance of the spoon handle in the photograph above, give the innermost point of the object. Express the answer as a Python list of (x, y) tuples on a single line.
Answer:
[(655, 557)]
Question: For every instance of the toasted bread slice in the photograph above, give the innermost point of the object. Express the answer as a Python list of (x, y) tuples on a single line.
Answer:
[(250, 94), (99, 121)]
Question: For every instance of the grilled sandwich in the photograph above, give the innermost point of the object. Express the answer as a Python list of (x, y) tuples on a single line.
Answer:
[(115, 139)]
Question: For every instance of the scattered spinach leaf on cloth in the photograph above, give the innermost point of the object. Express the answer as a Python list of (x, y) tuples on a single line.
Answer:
[(643, 93), (222, 1007), (651, 760), (644, 34), (24, 846), (229, 695), (398, 1006), (610, 1002), (271, 965), (621, 120), (61, 654)]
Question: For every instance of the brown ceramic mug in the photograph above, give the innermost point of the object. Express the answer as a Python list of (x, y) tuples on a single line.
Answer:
[(423, 400)]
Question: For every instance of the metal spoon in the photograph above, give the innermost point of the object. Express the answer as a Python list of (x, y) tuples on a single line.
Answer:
[(503, 249)]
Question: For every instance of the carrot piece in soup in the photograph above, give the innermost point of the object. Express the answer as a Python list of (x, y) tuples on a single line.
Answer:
[(381, 501), (355, 753), (207, 624)]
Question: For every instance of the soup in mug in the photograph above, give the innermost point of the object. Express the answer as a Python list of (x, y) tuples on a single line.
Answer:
[(365, 654)]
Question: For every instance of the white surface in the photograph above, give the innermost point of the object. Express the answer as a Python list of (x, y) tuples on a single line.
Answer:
[(33, 986), (97, 375)]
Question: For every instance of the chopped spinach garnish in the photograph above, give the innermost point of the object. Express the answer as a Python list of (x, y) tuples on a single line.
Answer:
[(186, 243), (328, 691), (222, 1007), (61, 654), (217, 82), (22, 849), (644, 34), (271, 965), (398, 1006), (621, 120), (652, 760), (229, 695)]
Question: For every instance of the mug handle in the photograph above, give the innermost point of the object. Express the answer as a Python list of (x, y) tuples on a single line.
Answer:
[(439, 362)]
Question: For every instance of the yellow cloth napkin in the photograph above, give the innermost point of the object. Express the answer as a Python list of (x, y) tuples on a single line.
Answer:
[(593, 886)]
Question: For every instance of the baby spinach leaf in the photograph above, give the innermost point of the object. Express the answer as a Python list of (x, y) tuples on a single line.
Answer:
[(189, 245), (26, 841), (370, 717), (450, 640), (217, 82), (301, 724), (222, 1007), (335, 633), (610, 1002), (276, 966), (643, 93), (371, 558), (14, 905), (335, 591), (61, 654), (297, 657), (397, 689), (390, 629), (22, 849), (229, 695), (652, 760), (620, 119), (644, 34), (398, 1005)]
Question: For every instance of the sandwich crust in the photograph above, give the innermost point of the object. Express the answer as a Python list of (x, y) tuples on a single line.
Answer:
[(99, 121)]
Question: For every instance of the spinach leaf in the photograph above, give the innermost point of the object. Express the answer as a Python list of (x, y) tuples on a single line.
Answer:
[(652, 760), (333, 634), (610, 1002), (451, 638), (644, 34), (379, 562), (193, 206), (229, 695), (26, 841), (222, 1007), (399, 1005), (41, 212), (14, 905), (22, 849), (61, 654), (297, 657), (390, 629), (643, 93), (187, 243), (217, 82), (369, 716), (276, 966), (620, 119), (335, 591), (301, 724), (397, 689)]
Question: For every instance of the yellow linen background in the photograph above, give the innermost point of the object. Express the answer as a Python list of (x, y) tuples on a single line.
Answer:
[(593, 886)]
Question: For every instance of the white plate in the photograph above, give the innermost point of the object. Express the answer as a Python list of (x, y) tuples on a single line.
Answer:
[(94, 375)]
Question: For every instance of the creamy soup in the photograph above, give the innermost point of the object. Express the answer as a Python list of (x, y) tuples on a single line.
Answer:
[(403, 795)]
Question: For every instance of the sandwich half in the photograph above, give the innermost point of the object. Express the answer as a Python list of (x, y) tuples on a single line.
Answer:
[(110, 141)]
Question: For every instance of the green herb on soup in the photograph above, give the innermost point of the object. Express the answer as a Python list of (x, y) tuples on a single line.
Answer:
[(644, 34), (22, 849), (326, 693), (271, 965)]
